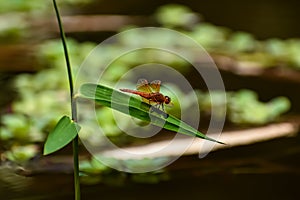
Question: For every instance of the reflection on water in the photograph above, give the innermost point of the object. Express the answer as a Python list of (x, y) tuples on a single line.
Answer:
[(18, 187), (11, 183)]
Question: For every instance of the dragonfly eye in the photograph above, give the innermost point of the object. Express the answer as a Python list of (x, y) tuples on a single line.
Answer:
[(167, 100)]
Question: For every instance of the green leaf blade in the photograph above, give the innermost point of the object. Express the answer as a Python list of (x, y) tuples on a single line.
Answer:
[(63, 133), (137, 108)]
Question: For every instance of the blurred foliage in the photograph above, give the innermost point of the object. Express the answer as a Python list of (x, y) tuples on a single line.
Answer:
[(21, 154), (12, 27), (176, 16), (16, 16), (239, 45), (244, 107), (208, 35), (93, 171), (35, 5), (43, 96)]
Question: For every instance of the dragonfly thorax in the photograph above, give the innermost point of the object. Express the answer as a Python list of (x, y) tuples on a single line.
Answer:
[(160, 98)]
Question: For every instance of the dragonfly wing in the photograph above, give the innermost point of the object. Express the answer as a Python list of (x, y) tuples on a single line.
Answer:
[(155, 85), (143, 86)]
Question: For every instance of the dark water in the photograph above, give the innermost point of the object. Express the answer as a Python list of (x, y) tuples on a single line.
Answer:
[(267, 170), (263, 18)]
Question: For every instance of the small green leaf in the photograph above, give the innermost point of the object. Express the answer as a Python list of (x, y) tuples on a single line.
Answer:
[(63, 133), (137, 108)]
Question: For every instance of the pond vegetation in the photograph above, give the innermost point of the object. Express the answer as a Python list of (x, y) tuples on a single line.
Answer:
[(43, 95)]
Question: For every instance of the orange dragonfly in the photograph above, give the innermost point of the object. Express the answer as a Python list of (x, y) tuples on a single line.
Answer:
[(150, 92)]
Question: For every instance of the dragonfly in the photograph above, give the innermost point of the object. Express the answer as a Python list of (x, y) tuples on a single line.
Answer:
[(150, 92)]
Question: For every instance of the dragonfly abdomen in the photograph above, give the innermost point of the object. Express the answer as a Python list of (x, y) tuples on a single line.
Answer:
[(154, 96)]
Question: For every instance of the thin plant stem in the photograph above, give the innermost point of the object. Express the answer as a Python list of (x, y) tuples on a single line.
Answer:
[(73, 104)]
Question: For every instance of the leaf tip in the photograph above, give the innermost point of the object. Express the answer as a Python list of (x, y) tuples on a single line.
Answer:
[(221, 142)]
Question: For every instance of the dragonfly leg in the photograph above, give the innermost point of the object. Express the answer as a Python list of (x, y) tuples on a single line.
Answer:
[(154, 107), (162, 106), (157, 106)]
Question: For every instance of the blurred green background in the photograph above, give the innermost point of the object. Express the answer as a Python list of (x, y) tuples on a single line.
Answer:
[(255, 44)]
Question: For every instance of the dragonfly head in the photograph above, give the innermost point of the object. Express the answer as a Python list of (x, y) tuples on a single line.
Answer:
[(167, 100)]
